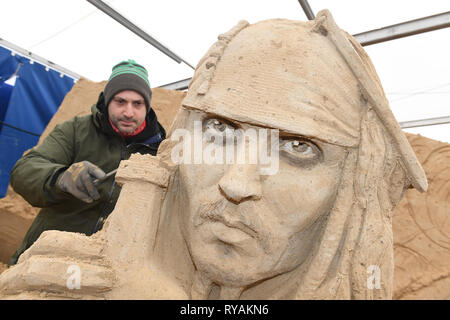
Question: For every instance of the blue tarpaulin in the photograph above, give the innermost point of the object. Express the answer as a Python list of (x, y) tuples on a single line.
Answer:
[(5, 94), (26, 107)]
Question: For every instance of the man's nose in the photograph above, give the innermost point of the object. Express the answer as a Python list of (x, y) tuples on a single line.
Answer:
[(241, 182), (128, 110)]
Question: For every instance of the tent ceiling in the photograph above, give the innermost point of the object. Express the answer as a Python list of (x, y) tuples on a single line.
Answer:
[(79, 37)]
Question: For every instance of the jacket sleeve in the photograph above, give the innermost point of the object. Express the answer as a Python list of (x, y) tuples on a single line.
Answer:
[(34, 175)]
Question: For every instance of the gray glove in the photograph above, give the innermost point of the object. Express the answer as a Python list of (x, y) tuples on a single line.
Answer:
[(78, 180)]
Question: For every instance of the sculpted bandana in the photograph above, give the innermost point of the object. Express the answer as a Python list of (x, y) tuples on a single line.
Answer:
[(289, 78)]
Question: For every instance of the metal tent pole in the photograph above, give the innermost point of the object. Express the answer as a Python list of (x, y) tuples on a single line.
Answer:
[(35, 57), (138, 31), (404, 29), (424, 122), (307, 9)]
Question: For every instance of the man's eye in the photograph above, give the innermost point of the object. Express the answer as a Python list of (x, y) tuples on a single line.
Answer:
[(300, 150)]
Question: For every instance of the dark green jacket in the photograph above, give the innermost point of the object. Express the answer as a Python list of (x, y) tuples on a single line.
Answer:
[(88, 138)]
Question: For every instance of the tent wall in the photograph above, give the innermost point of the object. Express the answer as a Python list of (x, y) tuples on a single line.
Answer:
[(28, 107)]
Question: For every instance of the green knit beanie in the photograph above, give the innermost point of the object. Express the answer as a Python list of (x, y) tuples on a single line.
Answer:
[(128, 75)]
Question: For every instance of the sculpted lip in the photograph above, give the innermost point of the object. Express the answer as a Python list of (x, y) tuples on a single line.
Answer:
[(223, 223), (228, 235), (235, 225)]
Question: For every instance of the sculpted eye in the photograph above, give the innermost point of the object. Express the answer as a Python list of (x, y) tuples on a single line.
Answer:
[(217, 126), (300, 150), (218, 130)]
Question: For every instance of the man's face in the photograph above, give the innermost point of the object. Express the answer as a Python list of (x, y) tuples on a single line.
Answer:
[(242, 226), (127, 111)]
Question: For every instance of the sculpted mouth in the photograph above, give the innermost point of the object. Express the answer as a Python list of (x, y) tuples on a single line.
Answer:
[(235, 225), (227, 235), (230, 227), (216, 215)]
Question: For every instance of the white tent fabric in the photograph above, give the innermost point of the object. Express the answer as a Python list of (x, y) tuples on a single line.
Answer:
[(76, 35)]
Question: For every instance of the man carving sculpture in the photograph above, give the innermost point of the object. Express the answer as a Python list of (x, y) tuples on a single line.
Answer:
[(309, 231)]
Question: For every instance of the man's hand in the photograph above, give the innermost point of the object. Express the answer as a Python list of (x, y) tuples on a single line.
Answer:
[(78, 180)]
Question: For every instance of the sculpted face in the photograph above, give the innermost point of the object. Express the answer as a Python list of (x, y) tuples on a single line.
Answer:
[(242, 226)]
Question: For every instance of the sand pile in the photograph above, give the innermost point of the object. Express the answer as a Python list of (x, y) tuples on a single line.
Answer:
[(421, 228), (420, 222), (16, 216), (76, 103)]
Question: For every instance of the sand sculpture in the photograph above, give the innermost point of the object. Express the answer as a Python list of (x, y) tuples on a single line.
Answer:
[(314, 229), (421, 245)]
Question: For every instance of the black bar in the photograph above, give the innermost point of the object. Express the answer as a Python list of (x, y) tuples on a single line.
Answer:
[(19, 129)]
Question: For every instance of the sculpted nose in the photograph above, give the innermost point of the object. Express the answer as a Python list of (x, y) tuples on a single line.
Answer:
[(241, 183)]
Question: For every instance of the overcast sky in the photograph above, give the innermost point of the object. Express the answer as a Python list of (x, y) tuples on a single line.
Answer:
[(77, 36)]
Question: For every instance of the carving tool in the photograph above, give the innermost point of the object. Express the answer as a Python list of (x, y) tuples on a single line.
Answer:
[(109, 174)]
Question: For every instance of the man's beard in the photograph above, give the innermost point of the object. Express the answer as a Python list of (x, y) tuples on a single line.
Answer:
[(116, 123)]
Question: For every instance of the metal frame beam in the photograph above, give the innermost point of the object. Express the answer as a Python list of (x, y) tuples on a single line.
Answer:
[(424, 122), (35, 57), (136, 30), (395, 31), (307, 9), (404, 29), (177, 85)]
